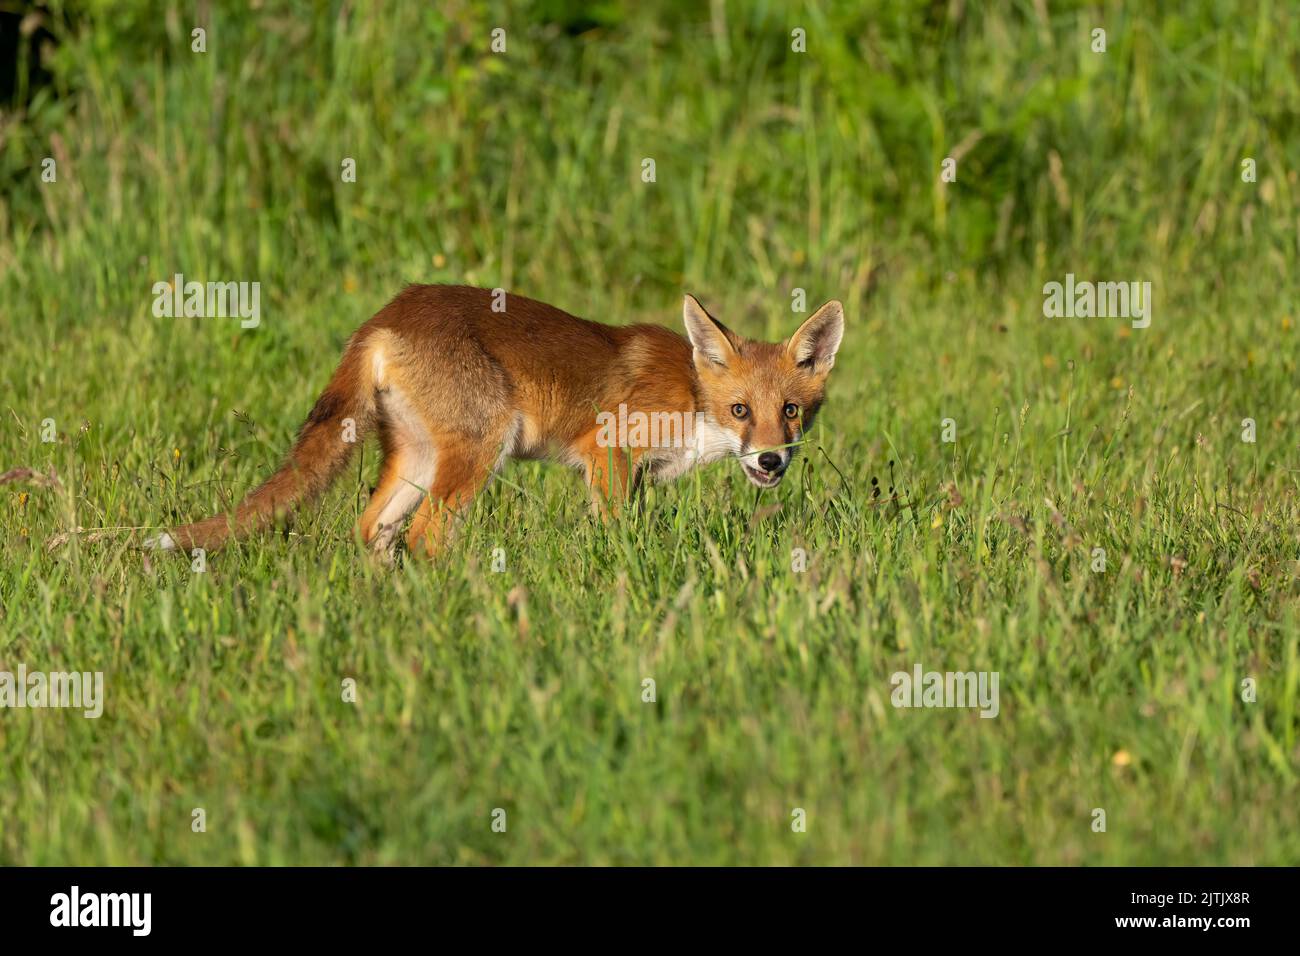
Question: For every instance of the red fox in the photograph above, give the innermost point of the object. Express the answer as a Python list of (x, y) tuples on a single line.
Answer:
[(457, 380)]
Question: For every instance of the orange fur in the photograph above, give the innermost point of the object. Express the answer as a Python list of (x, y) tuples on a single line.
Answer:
[(454, 388)]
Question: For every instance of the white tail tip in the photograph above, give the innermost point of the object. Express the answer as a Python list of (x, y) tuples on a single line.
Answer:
[(163, 542)]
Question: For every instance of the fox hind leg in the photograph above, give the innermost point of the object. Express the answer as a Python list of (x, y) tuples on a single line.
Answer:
[(407, 472), (403, 482), (465, 466)]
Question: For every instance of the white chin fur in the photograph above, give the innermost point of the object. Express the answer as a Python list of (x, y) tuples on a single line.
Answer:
[(163, 542), (759, 478)]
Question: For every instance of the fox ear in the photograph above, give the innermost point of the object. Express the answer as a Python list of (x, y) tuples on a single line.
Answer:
[(709, 337), (818, 339)]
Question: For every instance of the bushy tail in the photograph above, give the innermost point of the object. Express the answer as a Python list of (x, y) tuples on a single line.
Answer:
[(324, 446)]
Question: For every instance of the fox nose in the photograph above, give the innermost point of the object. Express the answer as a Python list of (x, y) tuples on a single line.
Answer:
[(769, 461)]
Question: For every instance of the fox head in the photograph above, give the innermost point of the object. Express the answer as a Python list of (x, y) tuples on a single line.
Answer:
[(760, 397)]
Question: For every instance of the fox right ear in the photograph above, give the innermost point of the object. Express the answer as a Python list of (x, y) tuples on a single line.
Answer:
[(709, 337), (814, 345)]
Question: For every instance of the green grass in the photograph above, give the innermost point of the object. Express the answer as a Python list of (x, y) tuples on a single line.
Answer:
[(522, 690)]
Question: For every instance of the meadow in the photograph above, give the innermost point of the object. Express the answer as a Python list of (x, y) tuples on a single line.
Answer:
[(1112, 528)]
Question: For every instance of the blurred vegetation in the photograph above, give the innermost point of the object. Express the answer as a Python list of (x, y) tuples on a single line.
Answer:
[(765, 157)]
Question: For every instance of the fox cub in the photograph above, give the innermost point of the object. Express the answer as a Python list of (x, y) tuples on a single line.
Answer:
[(455, 385)]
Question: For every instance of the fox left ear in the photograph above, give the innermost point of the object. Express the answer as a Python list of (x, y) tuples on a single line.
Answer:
[(818, 339), (710, 339)]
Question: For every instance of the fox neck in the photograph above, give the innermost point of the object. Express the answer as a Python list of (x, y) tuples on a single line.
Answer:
[(709, 442)]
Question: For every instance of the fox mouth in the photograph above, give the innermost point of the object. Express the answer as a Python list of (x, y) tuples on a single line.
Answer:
[(762, 478)]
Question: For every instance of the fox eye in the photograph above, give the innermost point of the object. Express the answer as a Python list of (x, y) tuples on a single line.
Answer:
[(791, 410), (739, 410)]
